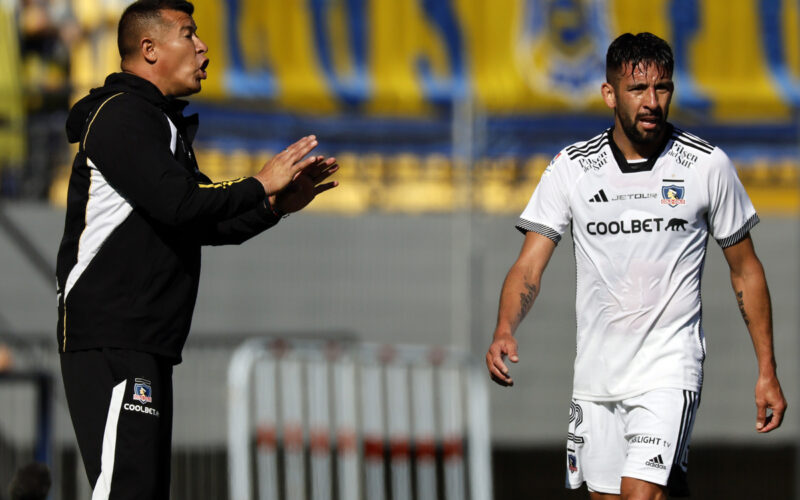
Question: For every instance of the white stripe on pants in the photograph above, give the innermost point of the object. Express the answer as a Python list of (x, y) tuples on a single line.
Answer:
[(102, 489)]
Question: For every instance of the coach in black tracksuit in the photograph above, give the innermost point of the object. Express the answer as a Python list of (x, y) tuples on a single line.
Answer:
[(138, 210)]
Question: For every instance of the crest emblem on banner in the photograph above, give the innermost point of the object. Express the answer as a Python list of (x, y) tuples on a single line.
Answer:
[(563, 47)]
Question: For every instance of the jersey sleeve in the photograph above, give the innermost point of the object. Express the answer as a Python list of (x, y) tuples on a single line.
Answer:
[(731, 215), (240, 228), (548, 212)]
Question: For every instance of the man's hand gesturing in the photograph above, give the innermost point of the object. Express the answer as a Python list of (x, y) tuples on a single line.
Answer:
[(284, 167), (502, 346), (306, 185), (769, 396)]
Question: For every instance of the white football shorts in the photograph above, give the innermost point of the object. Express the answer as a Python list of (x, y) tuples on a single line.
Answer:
[(644, 437)]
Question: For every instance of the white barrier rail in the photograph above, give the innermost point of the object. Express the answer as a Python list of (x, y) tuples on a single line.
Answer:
[(325, 420)]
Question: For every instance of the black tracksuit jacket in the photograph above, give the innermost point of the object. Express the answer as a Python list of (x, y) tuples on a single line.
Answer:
[(138, 211)]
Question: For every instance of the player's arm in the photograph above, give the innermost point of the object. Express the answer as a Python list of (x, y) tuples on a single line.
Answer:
[(130, 145), (310, 182), (752, 295), (519, 291), (239, 229)]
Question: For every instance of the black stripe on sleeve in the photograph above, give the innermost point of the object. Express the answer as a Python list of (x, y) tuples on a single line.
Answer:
[(683, 140), (740, 234), (692, 141), (525, 225), (588, 153), (591, 143), (695, 138)]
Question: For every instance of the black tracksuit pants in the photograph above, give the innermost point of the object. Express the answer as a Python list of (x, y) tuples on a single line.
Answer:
[(120, 402)]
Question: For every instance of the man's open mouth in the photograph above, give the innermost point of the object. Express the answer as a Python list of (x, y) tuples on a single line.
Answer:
[(650, 121)]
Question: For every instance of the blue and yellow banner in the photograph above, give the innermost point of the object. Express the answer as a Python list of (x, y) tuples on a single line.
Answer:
[(12, 111), (736, 61), (369, 77)]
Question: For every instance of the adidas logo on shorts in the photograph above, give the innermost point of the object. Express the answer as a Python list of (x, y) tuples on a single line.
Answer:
[(656, 462)]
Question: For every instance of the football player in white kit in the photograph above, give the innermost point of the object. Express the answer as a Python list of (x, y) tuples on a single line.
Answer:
[(641, 200)]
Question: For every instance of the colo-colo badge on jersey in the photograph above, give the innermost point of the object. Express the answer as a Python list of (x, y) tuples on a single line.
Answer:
[(672, 195)]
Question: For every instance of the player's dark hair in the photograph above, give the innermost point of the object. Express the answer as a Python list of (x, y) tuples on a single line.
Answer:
[(637, 49), (139, 16), (31, 482)]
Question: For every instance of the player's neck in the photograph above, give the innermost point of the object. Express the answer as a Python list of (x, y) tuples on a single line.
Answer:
[(636, 151)]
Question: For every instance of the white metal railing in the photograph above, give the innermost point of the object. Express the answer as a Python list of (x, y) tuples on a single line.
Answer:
[(315, 409)]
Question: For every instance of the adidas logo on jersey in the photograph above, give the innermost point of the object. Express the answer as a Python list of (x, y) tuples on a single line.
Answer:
[(656, 462), (599, 197)]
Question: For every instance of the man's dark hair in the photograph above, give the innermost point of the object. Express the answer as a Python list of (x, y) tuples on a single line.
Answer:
[(31, 482), (140, 15), (637, 49)]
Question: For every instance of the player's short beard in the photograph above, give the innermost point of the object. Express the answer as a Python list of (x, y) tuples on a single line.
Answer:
[(635, 136)]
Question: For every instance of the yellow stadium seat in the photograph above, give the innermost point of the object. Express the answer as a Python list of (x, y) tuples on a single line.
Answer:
[(239, 163), (494, 189), (413, 188), (59, 186), (788, 173), (352, 196), (212, 164)]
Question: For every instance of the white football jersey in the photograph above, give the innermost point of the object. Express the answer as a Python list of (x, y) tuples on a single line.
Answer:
[(640, 232)]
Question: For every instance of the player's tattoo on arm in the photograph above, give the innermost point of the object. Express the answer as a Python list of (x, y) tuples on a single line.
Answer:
[(740, 301), (526, 301)]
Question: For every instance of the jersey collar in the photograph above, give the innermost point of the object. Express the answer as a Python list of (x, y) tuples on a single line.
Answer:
[(645, 166)]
